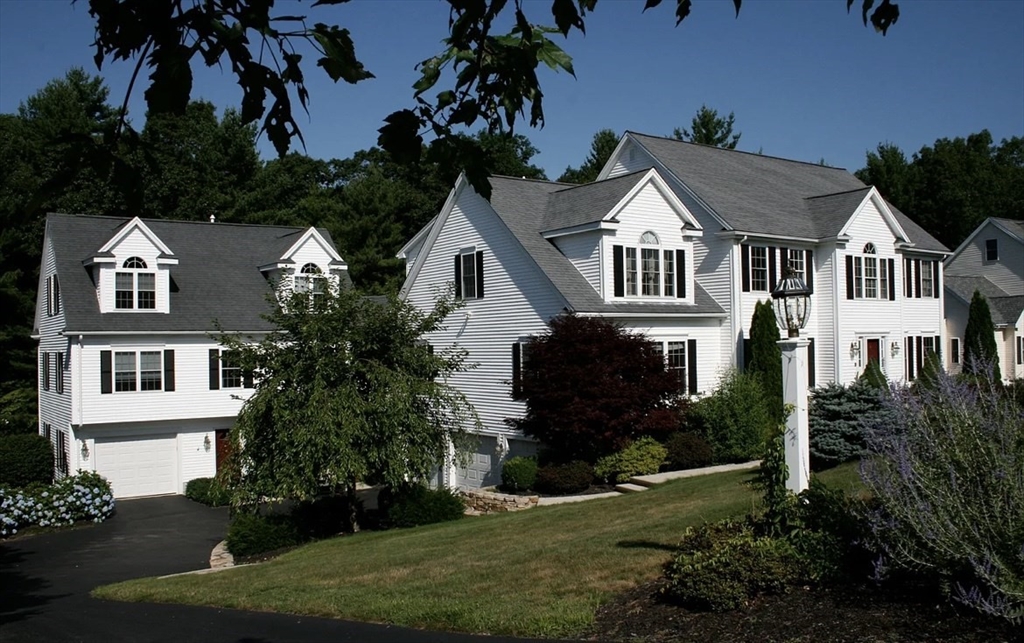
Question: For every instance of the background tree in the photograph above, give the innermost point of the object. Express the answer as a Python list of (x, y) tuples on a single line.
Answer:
[(345, 392), (980, 351), (490, 77), (708, 128), (601, 147), (950, 187), (612, 388), (766, 357)]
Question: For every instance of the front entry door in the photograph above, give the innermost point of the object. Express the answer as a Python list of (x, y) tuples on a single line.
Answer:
[(223, 448), (875, 351)]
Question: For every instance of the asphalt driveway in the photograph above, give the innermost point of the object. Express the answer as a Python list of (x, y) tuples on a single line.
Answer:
[(45, 582)]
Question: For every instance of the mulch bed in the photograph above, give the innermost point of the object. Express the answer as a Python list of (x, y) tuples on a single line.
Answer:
[(840, 615)]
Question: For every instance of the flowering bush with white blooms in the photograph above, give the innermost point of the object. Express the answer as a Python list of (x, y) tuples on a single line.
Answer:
[(86, 496)]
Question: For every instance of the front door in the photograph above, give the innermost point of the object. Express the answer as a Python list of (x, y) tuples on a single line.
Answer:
[(875, 351), (223, 448)]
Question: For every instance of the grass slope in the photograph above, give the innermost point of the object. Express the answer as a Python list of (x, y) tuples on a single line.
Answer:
[(541, 572)]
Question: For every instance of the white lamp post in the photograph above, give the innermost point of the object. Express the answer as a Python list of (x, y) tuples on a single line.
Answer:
[(792, 304)]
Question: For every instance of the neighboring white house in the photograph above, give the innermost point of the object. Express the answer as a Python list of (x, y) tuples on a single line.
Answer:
[(679, 241), (132, 382), (990, 261)]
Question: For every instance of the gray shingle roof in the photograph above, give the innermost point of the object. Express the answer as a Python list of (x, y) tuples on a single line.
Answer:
[(217, 275), (578, 204), (769, 195), (1006, 310), (522, 205), (1012, 224), (965, 286)]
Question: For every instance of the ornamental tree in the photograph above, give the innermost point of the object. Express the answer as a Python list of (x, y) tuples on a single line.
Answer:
[(980, 351), (346, 392), (591, 387), (766, 356)]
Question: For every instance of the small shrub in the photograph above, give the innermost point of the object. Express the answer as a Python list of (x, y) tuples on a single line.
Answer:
[(831, 536), (25, 458), (86, 496), (838, 416), (252, 533), (564, 479), (207, 491), (641, 458), (687, 451), (736, 418), (722, 566), (519, 474), (418, 505)]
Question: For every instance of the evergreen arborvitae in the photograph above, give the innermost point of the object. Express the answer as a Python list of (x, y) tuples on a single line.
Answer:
[(766, 357), (979, 339)]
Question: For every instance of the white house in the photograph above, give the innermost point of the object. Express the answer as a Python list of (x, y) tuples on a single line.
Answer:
[(132, 382), (679, 241), (990, 261)]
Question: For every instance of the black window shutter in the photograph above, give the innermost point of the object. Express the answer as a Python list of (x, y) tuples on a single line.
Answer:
[(771, 268), (919, 353), (49, 298), (849, 276), (680, 274), (106, 372), (247, 379), (809, 269), (214, 369), (938, 345), (56, 295), (783, 262), (917, 278), (810, 363), (746, 353), (479, 274), (619, 268), (168, 370), (907, 275), (936, 288), (691, 366), (517, 372), (458, 276), (892, 279), (910, 358), (745, 254)]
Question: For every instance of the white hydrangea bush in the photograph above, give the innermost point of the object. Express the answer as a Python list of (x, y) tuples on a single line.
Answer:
[(86, 496)]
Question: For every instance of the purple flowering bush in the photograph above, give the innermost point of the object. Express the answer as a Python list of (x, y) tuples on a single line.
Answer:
[(947, 476), (86, 496)]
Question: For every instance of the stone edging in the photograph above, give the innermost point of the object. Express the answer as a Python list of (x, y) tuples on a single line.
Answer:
[(479, 502), (221, 557)]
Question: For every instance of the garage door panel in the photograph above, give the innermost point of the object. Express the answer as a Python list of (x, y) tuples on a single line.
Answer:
[(138, 466)]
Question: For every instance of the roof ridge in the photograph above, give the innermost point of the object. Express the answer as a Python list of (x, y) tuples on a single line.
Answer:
[(573, 186), (531, 180), (126, 219), (822, 196), (724, 149)]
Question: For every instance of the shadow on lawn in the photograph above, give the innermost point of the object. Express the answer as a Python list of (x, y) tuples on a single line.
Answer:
[(645, 544)]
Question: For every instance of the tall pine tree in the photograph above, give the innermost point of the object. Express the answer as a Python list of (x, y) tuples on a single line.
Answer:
[(979, 339), (766, 357)]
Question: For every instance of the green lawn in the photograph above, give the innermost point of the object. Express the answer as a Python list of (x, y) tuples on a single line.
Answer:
[(541, 572)]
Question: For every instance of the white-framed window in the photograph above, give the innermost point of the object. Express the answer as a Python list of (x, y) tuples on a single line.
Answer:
[(954, 350), (138, 371), (230, 370), (670, 273), (58, 363), (796, 264), (52, 296), (928, 344), (310, 279), (870, 274), (648, 269), (680, 356), (650, 265), (759, 268), (468, 275), (927, 278), (675, 361), (631, 280), (44, 371), (991, 249), (134, 289)]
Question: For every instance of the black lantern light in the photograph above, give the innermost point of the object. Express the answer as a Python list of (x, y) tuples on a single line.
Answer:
[(792, 303)]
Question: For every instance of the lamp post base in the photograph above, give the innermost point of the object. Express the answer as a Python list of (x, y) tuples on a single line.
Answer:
[(794, 387)]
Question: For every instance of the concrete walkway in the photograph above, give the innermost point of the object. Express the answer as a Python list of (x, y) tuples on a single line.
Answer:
[(642, 483)]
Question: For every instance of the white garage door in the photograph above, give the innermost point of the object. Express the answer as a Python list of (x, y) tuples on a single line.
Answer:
[(138, 466)]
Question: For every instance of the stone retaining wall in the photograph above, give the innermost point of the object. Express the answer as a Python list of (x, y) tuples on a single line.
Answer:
[(485, 502)]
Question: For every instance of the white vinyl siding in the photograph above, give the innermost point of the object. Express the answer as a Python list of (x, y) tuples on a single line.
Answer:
[(1007, 271), (55, 406)]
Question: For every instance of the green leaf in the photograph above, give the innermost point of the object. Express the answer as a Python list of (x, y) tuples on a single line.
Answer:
[(566, 16), (445, 98), (171, 84), (555, 57), (430, 74), (400, 136), (339, 60)]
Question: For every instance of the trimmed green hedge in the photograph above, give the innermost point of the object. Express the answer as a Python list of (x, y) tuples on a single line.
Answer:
[(207, 491), (25, 458)]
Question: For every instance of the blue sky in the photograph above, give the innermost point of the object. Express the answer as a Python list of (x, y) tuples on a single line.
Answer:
[(805, 80)]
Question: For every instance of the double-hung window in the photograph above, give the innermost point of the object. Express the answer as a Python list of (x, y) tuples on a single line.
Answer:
[(310, 279), (125, 375), (869, 276), (675, 361), (469, 274), (226, 371), (954, 350), (795, 264), (44, 371), (681, 360), (927, 278), (134, 288), (58, 363), (52, 296), (759, 268), (649, 270), (136, 370)]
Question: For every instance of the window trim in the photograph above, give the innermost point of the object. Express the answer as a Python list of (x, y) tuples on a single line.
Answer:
[(477, 258), (927, 279), (45, 371), (991, 250), (216, 372), (870, 275), (58, 363), (135, 268), (755, 269), (689, 378), (954, 350), (139, 384)]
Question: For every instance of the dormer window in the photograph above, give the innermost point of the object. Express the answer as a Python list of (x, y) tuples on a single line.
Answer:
[(649, 269), (311, 280), (134, 288)]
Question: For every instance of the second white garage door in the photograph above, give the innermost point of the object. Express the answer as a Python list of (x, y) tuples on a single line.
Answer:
[(138, 466)]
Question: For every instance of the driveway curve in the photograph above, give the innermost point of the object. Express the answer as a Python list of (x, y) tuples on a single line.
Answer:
[(45, 582)]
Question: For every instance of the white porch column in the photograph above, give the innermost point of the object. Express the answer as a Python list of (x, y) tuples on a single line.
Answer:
[(794, 387)]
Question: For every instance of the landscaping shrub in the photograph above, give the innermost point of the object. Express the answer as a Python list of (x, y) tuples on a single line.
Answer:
[(831, 536), (721, 566), (947, 474), (837, 417), (641, 458), (86, 496), (207, 491), (766, 356), (25, 458), (564, 479), (735, 419), (323, 517), (687, 451), (417, 504), (252, 533), (611, 388), (519, 474)]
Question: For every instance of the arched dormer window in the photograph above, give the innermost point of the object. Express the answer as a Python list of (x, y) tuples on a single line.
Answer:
[(869, 249), (134, 288), (656, 270), (310, 279), (649, 239), (870, 274)]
